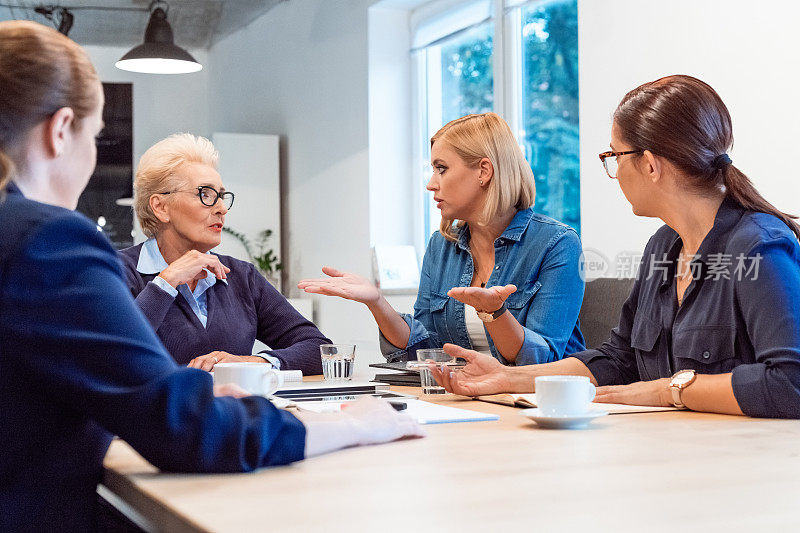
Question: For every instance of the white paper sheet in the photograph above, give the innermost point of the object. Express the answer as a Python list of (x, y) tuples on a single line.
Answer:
[(423, 412)]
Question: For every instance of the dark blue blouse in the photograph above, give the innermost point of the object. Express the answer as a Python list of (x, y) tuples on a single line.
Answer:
[(740, 314)]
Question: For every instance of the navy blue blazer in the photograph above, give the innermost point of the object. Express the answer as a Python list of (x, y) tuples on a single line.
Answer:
[(79, 363)]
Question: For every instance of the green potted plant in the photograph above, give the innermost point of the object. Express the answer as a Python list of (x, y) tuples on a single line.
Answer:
[(265, 260)]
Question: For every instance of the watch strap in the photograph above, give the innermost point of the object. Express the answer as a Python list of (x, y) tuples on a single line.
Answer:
[(497, 314), (491, 317), (677, 388), (676, 396)]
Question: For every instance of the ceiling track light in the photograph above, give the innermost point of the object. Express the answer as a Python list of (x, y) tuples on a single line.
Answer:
[(158, 54), (65, 17)]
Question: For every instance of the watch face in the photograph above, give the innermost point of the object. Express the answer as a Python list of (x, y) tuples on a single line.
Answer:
[(682, 378)]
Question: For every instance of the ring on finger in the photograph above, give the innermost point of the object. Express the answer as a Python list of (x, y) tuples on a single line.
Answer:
[(215, 360)]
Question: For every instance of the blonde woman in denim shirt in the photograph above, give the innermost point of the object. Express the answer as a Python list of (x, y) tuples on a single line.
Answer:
[(497, 277)]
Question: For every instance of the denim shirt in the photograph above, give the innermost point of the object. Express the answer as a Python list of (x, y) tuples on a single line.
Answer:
[(740, 314), (539, 255)]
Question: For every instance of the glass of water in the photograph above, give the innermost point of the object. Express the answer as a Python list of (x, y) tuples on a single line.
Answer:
[(439, 357), (337, 361)]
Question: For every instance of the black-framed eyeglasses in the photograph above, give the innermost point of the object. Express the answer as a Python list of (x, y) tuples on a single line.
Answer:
[(611, 163), (209, 195)]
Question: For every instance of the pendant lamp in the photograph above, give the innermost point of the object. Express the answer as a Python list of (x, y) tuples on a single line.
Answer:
[(158, 54)]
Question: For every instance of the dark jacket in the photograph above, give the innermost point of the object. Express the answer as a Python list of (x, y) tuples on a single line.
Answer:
[(740, 314), (79, 363)]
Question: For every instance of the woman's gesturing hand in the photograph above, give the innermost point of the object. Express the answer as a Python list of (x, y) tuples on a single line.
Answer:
[(342, 284), (483, 374), (192, 266), (487, 300)]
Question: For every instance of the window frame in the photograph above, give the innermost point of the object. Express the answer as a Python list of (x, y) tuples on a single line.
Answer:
[(508, 95)]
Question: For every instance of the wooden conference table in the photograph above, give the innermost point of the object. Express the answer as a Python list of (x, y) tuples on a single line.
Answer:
[(667, 471)]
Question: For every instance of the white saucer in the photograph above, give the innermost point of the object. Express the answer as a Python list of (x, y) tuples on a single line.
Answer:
[(562, 422)]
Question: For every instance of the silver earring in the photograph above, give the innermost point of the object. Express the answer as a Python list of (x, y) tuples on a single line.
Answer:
[(481, 182)]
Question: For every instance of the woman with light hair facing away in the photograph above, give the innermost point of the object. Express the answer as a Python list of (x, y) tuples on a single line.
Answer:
[(206, 308), (497, 277)]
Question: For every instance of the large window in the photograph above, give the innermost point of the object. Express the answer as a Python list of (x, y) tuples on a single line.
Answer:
[(457, 73), (458, 81), (549, 104)]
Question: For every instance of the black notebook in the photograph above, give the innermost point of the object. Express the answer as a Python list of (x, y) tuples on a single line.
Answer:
[(402, 376), (410, 379), (397, 365)]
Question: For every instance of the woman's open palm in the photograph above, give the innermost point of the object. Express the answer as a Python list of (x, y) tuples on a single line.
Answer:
[(486, 300), (343, 284)]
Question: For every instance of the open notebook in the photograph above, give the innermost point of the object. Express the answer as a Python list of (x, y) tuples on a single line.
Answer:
[(529, 400)]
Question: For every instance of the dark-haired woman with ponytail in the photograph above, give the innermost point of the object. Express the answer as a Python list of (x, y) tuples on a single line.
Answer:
[(713, 320)]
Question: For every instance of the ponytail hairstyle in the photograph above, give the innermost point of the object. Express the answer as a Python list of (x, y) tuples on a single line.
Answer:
[(683, 120), (41, 71), (474, 137)]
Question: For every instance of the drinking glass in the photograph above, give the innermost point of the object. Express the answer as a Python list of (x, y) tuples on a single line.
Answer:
[(337, 361), (438, 356)]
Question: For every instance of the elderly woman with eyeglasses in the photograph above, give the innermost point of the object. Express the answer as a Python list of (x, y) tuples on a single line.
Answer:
[(206, 308)]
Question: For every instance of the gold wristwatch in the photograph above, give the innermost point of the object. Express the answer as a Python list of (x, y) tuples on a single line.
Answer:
[(491, 317), (679, 381)]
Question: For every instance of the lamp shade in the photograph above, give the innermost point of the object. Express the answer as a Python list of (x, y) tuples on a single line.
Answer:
[(158, 54)]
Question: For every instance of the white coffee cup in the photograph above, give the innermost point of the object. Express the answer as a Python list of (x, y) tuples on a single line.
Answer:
[(564, 395), (256, 378)]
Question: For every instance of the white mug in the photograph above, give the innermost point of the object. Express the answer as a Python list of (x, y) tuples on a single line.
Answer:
[(256, 378), (564, 395)]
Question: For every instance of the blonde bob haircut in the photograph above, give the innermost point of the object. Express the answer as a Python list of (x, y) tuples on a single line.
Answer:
[(474, 137), (156, 172)]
